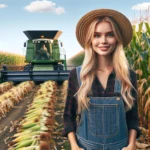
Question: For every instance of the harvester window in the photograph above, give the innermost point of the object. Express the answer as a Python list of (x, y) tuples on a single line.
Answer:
[(24, 44), (43, 48), (42, 51), (61, 44)]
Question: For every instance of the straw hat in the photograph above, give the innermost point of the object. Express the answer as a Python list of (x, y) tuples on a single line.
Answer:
[(122, 21)]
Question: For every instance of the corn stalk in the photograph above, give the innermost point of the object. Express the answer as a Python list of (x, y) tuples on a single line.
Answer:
[(138, 54), (11, 59)]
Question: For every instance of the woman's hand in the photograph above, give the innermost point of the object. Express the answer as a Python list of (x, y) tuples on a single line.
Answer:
[(130, 147), (76, 147), (73, 142)]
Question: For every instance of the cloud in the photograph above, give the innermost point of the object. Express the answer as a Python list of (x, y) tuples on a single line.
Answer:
[(3, 5), (59, 10), (142, 6), (44, 6)]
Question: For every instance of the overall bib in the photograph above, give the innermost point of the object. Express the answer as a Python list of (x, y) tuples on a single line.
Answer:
[(103, 126)]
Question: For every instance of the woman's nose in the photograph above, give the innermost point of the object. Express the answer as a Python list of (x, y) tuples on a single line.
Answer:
[(103, 39)]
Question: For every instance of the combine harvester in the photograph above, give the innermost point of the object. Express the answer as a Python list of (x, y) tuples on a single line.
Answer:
[(45, 58)]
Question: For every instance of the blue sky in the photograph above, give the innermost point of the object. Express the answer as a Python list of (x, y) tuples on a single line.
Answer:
[(20, 15)]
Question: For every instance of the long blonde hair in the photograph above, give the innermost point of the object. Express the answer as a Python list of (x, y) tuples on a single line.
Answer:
[(119, 61)]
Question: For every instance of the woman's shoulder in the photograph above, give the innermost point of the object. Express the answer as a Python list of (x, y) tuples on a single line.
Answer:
[(72, 72), (73, 78)]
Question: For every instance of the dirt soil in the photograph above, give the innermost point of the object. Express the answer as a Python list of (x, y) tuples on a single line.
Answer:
[(62, 143)]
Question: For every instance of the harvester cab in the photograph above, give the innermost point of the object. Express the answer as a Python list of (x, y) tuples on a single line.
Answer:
[(45, 58), (44, 51)]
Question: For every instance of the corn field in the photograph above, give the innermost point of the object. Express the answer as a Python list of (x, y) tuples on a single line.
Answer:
[(38, 124), (138, 54), (31, 114), (11, 59), (77, 59)]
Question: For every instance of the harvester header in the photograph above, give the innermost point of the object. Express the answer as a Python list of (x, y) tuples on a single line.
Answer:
[(49, 34)]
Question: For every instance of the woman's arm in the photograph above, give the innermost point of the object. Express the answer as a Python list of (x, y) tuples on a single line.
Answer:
[(132, 136), (70, 105), (132, 115), (73, 142), (70, 111), (132, 140)]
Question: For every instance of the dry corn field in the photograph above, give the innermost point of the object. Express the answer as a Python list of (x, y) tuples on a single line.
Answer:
[(11, 59), (31, 117)]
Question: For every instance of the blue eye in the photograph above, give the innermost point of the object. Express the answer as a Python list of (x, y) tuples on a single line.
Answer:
[(96, 35), (110, 34)]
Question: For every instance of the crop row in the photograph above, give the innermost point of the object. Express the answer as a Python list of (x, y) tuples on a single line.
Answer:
[(14, 96), (5, 86), (35, 130)]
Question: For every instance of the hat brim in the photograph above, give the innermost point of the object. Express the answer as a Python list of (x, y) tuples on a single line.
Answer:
[(124, 24)]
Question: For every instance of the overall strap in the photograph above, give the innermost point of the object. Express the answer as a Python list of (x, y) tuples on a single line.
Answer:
[(78, 69), (117, 87)]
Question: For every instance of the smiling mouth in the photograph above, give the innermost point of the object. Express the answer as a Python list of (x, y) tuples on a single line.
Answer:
[(104, 47)]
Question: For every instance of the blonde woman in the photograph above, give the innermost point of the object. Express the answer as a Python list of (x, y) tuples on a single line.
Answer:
[(103, 90)]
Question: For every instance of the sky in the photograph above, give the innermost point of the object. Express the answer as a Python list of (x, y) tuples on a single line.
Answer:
[(22, 15)]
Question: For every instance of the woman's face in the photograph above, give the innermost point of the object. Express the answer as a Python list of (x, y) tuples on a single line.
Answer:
[(104, 40)]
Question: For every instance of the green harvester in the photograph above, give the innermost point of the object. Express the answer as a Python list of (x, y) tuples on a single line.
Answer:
[(45, 58)]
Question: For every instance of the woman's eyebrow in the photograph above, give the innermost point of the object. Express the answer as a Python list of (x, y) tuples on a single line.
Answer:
[(106, 32)]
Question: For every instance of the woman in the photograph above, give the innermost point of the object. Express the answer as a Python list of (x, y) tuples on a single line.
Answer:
[(105, 98)]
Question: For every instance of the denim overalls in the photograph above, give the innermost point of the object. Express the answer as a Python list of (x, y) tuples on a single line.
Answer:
[(103, 126)]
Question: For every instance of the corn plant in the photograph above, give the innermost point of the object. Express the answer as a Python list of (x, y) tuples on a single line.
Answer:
[(138, 54), (11, 59), (37, 126), (76, 60)]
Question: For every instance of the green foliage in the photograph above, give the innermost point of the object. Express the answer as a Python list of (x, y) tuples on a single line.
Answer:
[(138, 50), (138, 54), (77, 59)]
